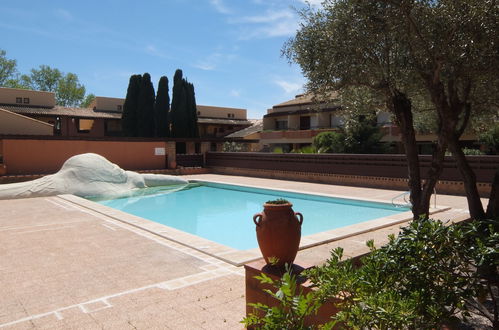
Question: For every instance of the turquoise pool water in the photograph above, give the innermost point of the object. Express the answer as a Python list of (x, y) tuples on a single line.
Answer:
[(224, 213)]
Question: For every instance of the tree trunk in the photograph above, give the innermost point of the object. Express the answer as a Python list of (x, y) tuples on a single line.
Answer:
[(434, 172), (493, 206), (474, 203), (402, 108)]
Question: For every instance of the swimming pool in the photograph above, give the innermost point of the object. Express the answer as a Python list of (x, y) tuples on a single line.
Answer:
[(223, 213)]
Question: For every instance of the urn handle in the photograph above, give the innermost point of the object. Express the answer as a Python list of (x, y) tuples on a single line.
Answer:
[(300, 216), (255, 217)]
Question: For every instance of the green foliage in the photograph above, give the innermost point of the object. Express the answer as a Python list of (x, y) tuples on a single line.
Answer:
[(442, 53), (329, 142), (419, 280), (129, 118), (278, 201), (161, 109), (358, 138), (472, 152), (87, 100), (145, 108), (44, 79), (490, 138), (69, 91), (192, 111), (294, 306), (8, 70), (278, 150), (305, 150), (364, 138), (234, 147), (183, 110)]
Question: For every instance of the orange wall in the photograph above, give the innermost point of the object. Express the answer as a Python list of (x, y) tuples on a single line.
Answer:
[(47, 156)]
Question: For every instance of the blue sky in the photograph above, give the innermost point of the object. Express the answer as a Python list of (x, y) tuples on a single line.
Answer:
[(229, 49)]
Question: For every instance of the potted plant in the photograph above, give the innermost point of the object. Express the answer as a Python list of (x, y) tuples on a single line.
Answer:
[(278, 231)]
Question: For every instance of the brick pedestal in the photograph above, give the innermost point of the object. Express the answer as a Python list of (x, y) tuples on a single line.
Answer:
[(255, 293)]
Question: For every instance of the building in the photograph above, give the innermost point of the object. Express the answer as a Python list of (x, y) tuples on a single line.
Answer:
[(65, 121), (294, 123), (214, 122), (248, 138), (101, 119)]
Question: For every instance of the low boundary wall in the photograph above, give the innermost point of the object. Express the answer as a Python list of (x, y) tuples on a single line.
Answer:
[(376, 171), (30, 156)]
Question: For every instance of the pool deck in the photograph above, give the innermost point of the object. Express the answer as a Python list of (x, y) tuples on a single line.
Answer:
[(65, 266)]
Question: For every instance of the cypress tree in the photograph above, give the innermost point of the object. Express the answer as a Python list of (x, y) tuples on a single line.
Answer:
[(192, 111), (130, 107), (161, 109), (183, 112), (145, 126), (178, 108)]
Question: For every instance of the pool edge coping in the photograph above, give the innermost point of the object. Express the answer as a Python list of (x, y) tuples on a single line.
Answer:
[(240, 257)]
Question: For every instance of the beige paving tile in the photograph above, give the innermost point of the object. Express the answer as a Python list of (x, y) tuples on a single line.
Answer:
[(57, 255)]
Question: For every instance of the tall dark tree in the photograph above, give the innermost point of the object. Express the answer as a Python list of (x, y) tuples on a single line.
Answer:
[(145, 118), (161, 109), (178, 113), (192, 111), (129, 118)]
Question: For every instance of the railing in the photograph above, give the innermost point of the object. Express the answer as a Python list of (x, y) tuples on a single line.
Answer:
[(190, 160), (391, 166)]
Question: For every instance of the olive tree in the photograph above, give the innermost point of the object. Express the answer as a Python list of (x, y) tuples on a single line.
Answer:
[(443, 52)]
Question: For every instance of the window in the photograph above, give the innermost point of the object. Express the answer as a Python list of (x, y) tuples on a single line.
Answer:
[(199, 113), (19, 100), (337, 122), (228, 115), (304, 122), (119, 107), (26, 100), (112, 127), (84, 125), (281, 125), (57, 126)]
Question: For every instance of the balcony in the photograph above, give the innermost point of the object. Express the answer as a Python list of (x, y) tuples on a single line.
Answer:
[(298, 136)]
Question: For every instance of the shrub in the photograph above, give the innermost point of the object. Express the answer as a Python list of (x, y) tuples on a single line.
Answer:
[(329, 142), (421, 279), (293, 305), (472, 152)]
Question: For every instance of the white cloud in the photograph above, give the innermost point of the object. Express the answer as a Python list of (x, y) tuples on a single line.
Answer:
[(273, 23), (212, 61), (289, 87), (314, 3), (220, 6), (270, 16), (205, 66), (152, 50), (235, 92), (64, 14)]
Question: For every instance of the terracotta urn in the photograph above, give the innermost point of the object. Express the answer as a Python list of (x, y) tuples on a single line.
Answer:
[(278, 231)]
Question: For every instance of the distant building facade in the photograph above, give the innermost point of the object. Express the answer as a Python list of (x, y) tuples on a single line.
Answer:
[(101, 119), (294, 124)]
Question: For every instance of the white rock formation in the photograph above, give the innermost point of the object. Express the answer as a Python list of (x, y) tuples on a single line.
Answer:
[(87, 175)]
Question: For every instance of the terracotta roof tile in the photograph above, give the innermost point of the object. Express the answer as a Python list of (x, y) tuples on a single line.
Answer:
[(205, 120), (302, 99), (61, 111), (255, 128)]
